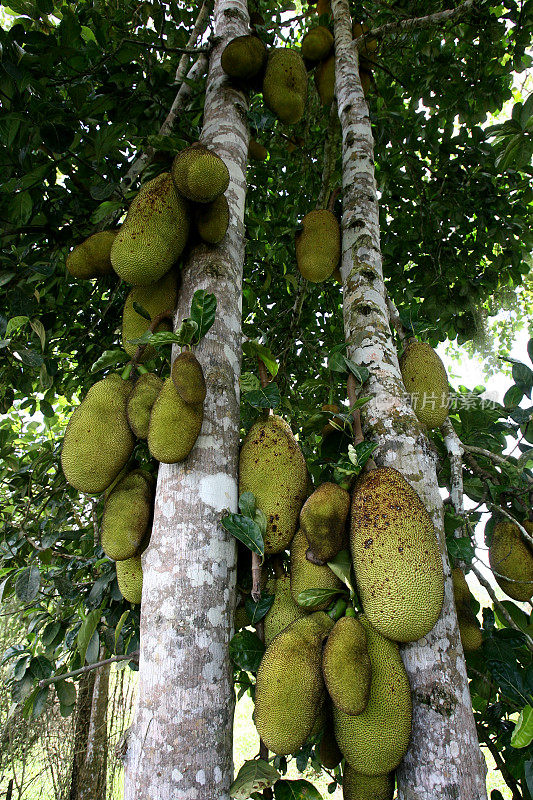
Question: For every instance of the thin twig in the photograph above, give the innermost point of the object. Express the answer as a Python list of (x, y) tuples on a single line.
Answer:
[(497, 459), (133, 656), (200, 26), (406, 25)]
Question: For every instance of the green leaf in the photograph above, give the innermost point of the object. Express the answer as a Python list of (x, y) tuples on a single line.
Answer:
[(28, 584), (530, 345), (337, 362), (522, 735), (269, 397), (142, 311), (460, 548), (246, 531), (249, 382), (203, 311), (15, 323), (314, 597), (513, 396), (186, 333), (39, 701), (66, 693), (254, 776), (254, 349), (38, 328), (246, 650), (360, 454), (247, 504), (257, 610), (110, 358), (341, 565), (120, 624), (361, 374), (296, 790), (85, 633), (105, 209)]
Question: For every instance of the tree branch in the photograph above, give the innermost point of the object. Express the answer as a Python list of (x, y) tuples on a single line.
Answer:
[(503, 611), (455, 454), (497, 459), (406, 25), (200, 26), (500, 764), (394, 317), (133, 656)]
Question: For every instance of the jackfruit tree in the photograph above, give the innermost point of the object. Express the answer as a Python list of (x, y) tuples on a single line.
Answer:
[(241, 241)]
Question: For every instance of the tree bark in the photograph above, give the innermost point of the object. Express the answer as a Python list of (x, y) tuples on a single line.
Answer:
[(444, 760), (89, 765), (180, 747)]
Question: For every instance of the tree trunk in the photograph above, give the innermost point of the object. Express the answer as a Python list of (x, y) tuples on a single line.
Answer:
[(444, 760), (89, 765), (180, 746)]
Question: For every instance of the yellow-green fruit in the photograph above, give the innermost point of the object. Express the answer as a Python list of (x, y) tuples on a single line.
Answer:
[(98, 440), (322, 519), (199, 174), (257, 151), (212, 220), (317, 43), (188, 377), (318, 246), (91, 258), (283, 610), (376, 740), (290, 687), (305, 575), (346, 666), (174, 426), (140, 402), (156, 298), (241, 619), (356, 786), (272, 467), (396, 556), (244, 57), (127, 515), (153, 235), (511, 557), (285, 85), (325, 80), (469, 628), (130, 579), (425, 379)]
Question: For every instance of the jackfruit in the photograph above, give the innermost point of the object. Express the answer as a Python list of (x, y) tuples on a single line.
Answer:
[(91, 258), (322, 519), (188, 377), (140, 402), (156, 298), (127, 515), (305, 575), (199, 174), (369, 46), (425, 379), (285, 85), (511, 558), (153, 235), (241, 618), (396, 556), (325, 80), (244, 57), (318, 246), (329, 752), (212, 220), (174, 425), (283, 610), (317, 43), (98, 440), (272, 467), (130, 579), (469, 628), (377, 739), (346, 666), (356, 786), (257, 151), (366, 81), (290, 688), (323, 7)]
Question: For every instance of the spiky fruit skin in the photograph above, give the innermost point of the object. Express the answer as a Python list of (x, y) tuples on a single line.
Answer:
[(174, 426), (318, 246), (283, 610), (98, 440), (511, 557), (376, 740), (199, 174), (127, 515), (241, 618), (346, 666), (212, 220), (188, 378), (244, 57), (325, 80), (469, 628), (92, 258), (425, 379), (257, 151), (156, 298), (322, 519), (130, 579), (140, 403), (153, 235), (273, 468), (317, 43), (356, 786), (396, 556), (305, 575), (290, 687), (285, 85)]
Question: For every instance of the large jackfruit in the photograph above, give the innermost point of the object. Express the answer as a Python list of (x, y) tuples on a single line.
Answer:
[(244, 58), (425, 378), (199, 174), (356, 786), (511, 560), (346, 666), (290, 688), (322, 519), (396, 556), (318, 246), (156, 298), (306, 575), (272, 467), (174, 426), (127, 515), (325, 80), (153, 235), (140, 403), (92, 258), (130, 579), (212, 220), (285, 85), (469, 628), (317, 43), (188, 377), (376, 740), (283, 610), (98, 440)]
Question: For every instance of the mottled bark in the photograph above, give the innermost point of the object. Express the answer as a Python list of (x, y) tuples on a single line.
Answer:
[(444, 759), (180, 747), (89, 763)]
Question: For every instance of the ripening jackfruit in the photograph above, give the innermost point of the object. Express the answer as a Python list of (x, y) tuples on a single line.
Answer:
[(285, 85), (257, 151), (153, 235), (188, 377), (290, 687), (98, 440), (346, 666), (91, 258), (469, 628), (241, 618), (272, 467), (325, 80), (283, 610), (511, 558), (376, 740), (244, 57), (156, 298), (199, 174), (305, 575), (174, 425), (140, 402), (212, 220), (396, 556), (130, 579), (127, 514), (318, 246), (322, 519), (317, 43), (425, 379), (356, 786)]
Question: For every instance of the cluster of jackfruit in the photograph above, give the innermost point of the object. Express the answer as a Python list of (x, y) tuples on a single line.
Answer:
[(425, 379), (511, 560), (325, 68), (318, 245)]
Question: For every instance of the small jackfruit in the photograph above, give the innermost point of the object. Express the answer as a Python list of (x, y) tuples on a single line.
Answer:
[(283, 610), (469, 627), (396, 556), (244, 57), (212, 220), (127, 515), (140, 402), (174, 425), (366, 81), (92, 258), (356, 786), (199, 174), (188, 377), (425, 379), (318, 246), (98, 440), (317, 43), (130, 579), (156, 298), (346, 666), (241, 618), (325, 80), (290, 688), (511, 559), (273, 468), (305, 575), (369, 46), (257, 151), (285, 85), (322, 519), (329, 752)]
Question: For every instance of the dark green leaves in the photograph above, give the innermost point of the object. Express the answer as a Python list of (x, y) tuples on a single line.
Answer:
[(267, 397), (254, 776), (203, 311), (296, 790), (28, 584), (246, 650), (253, 348), (246, 530)]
